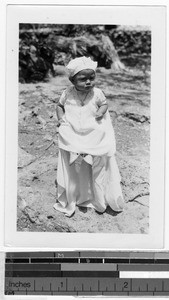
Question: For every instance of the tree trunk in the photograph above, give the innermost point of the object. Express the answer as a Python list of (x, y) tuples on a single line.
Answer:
[(111, 51)]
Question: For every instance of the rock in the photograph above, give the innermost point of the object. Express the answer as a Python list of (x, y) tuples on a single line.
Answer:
[(35, 178), (35, 112), (30, 214), (48, 137), (21, 203), (136, 117), (50, 217), (38, 122), (144, 200), (24, 158), (42, 218)]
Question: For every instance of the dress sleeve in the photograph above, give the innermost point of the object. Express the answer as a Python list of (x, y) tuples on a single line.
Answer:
[(62, 99), (101, 99)]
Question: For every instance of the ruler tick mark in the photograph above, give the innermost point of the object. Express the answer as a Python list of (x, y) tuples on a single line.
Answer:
[(66, 284)]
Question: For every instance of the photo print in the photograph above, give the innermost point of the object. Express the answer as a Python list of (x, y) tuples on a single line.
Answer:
[(85, 149), (123, 54)]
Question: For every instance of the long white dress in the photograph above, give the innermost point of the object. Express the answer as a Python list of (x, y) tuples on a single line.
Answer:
[(87, 172)]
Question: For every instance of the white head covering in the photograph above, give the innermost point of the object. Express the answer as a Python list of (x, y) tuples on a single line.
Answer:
[(80, 63)]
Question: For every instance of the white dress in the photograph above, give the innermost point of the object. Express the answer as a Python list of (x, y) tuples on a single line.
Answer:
[(87, 172)]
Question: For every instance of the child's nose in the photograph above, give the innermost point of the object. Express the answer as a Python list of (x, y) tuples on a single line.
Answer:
[(87, 81)]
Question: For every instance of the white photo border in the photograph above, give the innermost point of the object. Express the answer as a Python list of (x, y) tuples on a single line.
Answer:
[(153, 16)]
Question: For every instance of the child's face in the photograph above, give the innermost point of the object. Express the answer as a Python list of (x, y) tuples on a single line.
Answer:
[(84, 80)]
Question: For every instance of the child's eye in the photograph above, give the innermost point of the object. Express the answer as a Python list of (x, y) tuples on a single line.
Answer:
[(82, 79)]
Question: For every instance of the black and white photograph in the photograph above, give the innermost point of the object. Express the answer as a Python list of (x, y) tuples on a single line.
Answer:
[(74, 163), (84, 127)]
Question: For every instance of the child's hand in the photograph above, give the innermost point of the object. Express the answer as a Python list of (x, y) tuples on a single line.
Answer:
[(99, 115), (101, 112)]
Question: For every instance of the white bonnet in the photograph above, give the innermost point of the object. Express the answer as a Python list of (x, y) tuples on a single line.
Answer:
[(80, 63)]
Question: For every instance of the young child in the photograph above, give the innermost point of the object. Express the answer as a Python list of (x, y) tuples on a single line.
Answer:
[(87, 172)]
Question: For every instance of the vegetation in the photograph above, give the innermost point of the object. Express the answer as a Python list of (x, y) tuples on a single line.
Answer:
[(42, 46)]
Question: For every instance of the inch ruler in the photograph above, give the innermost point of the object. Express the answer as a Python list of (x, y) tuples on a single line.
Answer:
[(87, 273)]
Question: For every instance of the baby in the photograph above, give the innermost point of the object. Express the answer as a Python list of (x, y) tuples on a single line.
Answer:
[(87, 171), (84, 82)]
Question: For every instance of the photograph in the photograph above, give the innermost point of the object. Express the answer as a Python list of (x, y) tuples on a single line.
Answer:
[(84, 128)]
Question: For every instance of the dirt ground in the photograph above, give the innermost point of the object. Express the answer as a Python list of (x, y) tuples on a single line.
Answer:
[(128, 95)]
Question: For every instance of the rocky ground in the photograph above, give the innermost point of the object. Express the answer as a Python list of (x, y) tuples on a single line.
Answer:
[(128, 95)]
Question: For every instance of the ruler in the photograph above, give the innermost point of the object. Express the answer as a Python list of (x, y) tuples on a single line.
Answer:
[(94, 273)]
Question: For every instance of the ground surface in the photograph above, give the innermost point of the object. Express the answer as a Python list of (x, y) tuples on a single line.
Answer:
[(128, 94)]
